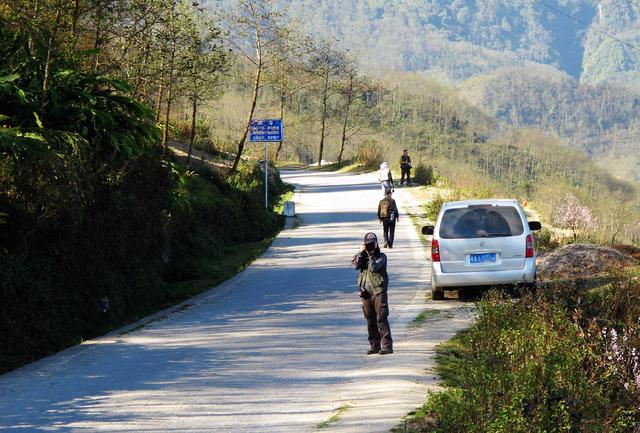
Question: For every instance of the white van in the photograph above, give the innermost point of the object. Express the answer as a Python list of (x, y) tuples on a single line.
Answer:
[(481, 243)]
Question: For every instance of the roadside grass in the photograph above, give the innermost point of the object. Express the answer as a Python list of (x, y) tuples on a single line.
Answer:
[(417, 225), (219, 268), (416, 421), (334, 418), (449, 359), (291, 165), (560, 359), (429, 314)]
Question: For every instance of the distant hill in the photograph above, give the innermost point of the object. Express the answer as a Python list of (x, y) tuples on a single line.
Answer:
[(464, 38), (600, 120)]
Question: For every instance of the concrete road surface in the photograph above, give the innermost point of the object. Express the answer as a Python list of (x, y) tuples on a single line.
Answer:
[(279, 348)]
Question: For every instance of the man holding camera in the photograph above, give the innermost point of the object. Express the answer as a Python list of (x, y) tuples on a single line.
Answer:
[(373, 282)]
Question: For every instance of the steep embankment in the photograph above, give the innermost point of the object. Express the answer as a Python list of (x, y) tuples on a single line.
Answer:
[(161, 233)]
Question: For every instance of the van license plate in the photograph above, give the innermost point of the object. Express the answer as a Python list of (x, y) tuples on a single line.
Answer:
[(483, 258)]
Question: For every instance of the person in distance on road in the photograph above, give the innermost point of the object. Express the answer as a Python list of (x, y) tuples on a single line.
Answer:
[(384, 177), (405, 168), (388, 215), (373, 282)]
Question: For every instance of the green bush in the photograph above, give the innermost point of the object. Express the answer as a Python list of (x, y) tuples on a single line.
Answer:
[(424, 174), (432, 208), (540, 364), (544, 241)]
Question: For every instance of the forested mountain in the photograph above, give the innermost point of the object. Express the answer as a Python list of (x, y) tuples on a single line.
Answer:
[(463, 38), (602, 120)]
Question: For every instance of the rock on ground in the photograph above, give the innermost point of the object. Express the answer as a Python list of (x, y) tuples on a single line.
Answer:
[(579, 261)]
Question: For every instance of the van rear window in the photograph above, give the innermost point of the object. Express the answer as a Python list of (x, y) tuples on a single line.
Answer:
[(481, 222)]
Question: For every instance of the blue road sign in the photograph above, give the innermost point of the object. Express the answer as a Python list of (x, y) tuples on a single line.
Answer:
[(266, 130)]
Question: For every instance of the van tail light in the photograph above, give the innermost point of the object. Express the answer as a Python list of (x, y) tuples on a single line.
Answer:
[(529, 251), (435, 251)]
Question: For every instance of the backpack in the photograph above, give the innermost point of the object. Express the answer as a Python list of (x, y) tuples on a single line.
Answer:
[(385, 205)]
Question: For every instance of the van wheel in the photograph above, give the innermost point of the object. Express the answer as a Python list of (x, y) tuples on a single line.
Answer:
[(437, 294)]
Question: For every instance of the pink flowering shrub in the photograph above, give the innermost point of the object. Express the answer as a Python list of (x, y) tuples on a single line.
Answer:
[(622, 352), (573, 216)]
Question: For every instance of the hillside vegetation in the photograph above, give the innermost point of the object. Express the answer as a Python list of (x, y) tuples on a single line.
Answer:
[(429, 35), (591, 50), (564, 359), (600, 121)]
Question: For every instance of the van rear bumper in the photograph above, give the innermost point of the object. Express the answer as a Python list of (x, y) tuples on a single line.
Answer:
[(527, 275)]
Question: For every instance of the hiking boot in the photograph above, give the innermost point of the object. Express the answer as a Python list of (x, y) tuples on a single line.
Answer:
[(373, 350), (386, 245), (390, 246), (386, 351)]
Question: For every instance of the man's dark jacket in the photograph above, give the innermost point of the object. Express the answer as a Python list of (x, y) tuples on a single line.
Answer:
[(374, 267)]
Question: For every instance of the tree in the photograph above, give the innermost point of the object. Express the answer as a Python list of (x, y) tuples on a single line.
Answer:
[(287, 77), (259, 36), (613, 217), (573, 216), (203, 62), (326, 63), (352, 88)]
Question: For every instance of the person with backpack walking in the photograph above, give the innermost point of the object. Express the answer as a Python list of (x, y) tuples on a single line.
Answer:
[(373, 283), (388, 216), (405, 168), (384, 177)]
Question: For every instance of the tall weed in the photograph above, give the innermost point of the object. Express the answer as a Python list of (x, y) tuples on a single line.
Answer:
[(370, 154)]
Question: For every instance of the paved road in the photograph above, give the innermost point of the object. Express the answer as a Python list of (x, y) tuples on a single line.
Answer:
[(278, 348)]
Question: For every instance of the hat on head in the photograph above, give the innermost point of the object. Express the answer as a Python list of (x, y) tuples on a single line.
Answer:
[(370, 238)]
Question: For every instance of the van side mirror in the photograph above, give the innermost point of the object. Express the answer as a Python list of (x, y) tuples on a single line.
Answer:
[(427, 230), (535, 225)]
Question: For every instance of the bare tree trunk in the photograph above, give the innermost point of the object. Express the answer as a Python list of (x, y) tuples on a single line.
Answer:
[(141, 68), (74, 25), (344, 124), (282, 100), (324, 117), (47, 66), (98, 37), (160, 91), (245, 132), (159, 99), (165, 130), (192, 138)]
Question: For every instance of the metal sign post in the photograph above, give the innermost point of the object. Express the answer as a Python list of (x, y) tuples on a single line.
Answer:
[(268, 131)]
